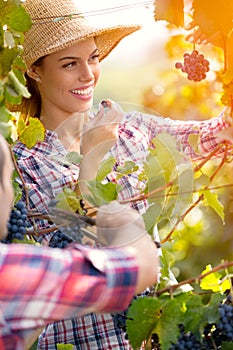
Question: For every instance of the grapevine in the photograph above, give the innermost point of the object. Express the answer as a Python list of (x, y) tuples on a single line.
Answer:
[(195, 66)]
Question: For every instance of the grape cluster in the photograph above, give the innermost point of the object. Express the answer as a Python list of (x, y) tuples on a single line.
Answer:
[(195, 66), (186, 340), (225, 324), (64, 236), (18, 223)]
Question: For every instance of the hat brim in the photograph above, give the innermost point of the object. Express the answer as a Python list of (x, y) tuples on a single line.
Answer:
[(106, 39)]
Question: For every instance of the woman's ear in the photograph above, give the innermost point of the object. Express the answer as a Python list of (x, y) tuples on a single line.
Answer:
[(33, 74)]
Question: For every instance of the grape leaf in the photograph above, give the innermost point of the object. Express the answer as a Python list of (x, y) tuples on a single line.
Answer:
[(128, 168), (18, 87), (227, 345), (171, 11), (5, 129), (105, 168), (213, 17), (18, 19), (213, 281), (73, 158), (31, 133), (7, 57), (141, 319), (101, 193), (67, 200), (151, 216), (213, 202), (211, 309), (172, 314)]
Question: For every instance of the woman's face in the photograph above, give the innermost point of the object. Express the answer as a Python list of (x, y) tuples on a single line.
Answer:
[(68, 78)]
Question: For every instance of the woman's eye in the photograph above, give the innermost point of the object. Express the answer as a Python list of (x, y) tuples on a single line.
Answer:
[(95, 58), (69, 65)]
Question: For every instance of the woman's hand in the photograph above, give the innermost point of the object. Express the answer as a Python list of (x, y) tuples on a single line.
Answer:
[(99, 135), (102, 128)]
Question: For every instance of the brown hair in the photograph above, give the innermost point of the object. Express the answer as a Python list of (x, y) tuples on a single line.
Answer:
[(30, 107)]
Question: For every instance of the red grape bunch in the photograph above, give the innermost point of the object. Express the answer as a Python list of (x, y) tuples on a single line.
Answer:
[(195, 65)]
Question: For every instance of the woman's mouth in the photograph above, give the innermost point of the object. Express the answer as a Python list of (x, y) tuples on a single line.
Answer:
[(83, 92)]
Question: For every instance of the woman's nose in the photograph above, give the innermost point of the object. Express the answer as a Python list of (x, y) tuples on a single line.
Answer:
[(86, 73)]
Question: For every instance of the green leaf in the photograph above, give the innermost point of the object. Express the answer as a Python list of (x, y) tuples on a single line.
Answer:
[(18, 19), (141, 319), (5, 115), (102, 193), (194, 318), (14, 82), (5, 129), (31, 133), (68, 200), (11, 96), (73, 158), (7, 57), (151, 217), (213, 202), (211, 309), (227, 345), (105, 168), (172, 314), (128, 168)]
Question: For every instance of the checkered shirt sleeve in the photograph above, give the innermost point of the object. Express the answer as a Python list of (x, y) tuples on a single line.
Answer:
[(41, 285)]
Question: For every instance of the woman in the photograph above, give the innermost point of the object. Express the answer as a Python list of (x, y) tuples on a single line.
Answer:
[(62, 53)]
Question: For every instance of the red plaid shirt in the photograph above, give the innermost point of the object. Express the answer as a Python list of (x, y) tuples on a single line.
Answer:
[(41, 285), (45, 177)]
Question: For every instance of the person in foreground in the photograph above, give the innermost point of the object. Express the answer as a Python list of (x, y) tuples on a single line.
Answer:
[(42, 284), (62, 53)]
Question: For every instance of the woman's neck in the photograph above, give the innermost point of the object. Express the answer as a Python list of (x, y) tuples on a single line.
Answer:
[(69, 128)]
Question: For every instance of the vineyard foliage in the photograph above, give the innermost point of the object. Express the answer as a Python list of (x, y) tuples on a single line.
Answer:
[(174, 186)]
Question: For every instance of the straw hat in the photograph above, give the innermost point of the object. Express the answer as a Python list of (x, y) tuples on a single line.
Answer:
[(58, 24)]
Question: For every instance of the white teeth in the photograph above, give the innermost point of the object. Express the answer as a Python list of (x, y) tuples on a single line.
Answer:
[(82, 92)]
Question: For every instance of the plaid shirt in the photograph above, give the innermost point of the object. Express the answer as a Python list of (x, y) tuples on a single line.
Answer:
[(45, 177), (41, 285)]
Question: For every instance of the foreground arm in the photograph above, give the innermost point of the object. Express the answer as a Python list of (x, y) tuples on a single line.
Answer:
[(42, 285)]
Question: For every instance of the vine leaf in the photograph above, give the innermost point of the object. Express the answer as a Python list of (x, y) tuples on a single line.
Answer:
[(73, 157), (67, 200), (214, 18), (171, 11), (141, 319), (101, 193), (30, 133), (213, 281), (213, 202), (105, 168)]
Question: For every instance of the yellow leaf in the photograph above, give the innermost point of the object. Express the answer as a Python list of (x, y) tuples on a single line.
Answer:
[(30, 133), (213, 281)]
